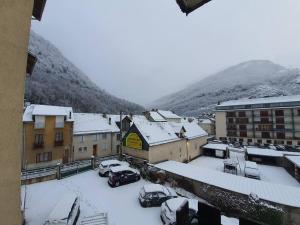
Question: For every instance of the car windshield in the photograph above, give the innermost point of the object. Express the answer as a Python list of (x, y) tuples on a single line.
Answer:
[(104, 166)]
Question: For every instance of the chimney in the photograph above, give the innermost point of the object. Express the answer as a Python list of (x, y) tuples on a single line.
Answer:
[(109, 121), (104, 115), (70, 115), (219, 103)]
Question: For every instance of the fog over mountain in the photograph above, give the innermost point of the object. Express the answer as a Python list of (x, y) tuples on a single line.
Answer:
[(252, 79), (56, 81)]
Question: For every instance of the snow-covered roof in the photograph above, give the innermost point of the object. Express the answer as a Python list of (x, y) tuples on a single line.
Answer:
[(281, 194), (250, 164), (155, 188), (264, 152), (268, 100), (175, 203), (168, 114), (117, 169), (192, 130), (205, 121), (156, 133), (294, 159), (156, 117), (216, 146), (47, 110), (90, 123), (63, 207)]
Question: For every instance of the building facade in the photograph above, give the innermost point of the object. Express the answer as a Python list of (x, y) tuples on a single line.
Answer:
[(47, 136), (160, 141), (95, 135), (208, 125), (273, 120), (15, 21)]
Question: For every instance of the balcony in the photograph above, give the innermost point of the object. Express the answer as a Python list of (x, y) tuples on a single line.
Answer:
[(58, 143), (38, 145)]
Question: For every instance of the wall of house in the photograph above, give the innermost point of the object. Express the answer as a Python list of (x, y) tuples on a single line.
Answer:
[(208, 127), (221, 124), (194, 147), (60, 154), (15, 19), (105, 146)]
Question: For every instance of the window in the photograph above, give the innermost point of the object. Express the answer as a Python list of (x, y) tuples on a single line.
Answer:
[(265, 134), (39, 140), (59, 122), (249, 140), (265, 127), (280, 120), (230, 114), (242, 114), (118, 137), (280, 135), (259, 141), (243, 127), (289, 143), (96, 137), (279, 113), (104, 146), (80, 149), (242, 120), (231, 134), (104, 136), (264, 120), (298, 110), (243, 133), (85, 149), (81, 139), (264, 113), (39, 122), (59, 137), (231, 127), (280, 127), (269, 141), (44, 157)]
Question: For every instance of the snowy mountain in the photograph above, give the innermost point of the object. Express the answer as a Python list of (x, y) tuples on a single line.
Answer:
[(253, 79), (57, 81)]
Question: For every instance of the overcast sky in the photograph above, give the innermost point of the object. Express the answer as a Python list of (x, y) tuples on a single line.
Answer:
[(141, 50)]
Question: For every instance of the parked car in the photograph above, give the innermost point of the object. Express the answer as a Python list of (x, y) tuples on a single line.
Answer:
[(66, 211), (280, 147), (155, 194), (251, 170), (272, 147), (106, 165), (119, 175), (169, 208)]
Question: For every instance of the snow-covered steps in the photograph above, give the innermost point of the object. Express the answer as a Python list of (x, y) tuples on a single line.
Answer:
[(97, 219)]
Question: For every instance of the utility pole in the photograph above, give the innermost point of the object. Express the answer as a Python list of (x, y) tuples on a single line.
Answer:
[(121, 138)]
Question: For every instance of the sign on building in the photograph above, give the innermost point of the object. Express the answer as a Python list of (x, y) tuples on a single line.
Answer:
[(133, 141)]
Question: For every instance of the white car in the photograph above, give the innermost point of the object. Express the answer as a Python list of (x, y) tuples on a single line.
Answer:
[(106, 165), (169, 208)]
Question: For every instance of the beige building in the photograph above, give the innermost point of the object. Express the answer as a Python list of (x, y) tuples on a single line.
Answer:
[(15, 20), (95, 135), (48, 135), (208, 125), (273, 120), (161, 141)]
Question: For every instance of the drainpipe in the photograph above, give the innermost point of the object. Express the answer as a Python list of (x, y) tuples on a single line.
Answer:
[(187, 149)]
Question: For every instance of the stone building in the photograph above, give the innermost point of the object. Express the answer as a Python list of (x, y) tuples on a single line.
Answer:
[(95, 134)]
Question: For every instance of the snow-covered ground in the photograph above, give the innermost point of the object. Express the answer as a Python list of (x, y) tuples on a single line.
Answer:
[(271, 174), (120, 203)]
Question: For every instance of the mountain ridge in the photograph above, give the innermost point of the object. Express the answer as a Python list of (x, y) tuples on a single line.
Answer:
[(57, 81)]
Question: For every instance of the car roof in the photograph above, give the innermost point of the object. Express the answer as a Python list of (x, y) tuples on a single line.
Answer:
[(117, 169), (159, 188), (175, 203), (111, 161)]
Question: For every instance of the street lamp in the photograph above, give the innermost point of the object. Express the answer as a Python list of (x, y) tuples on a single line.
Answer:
[(188, 6)]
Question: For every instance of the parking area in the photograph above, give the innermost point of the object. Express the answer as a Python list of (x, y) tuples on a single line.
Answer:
[(271, 174), (96, 196)]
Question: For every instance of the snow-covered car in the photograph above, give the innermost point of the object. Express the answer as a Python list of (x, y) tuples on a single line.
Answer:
[(169, 208), (106, 165), (155, 194), (251, 170), (66, 211), (119, 175)]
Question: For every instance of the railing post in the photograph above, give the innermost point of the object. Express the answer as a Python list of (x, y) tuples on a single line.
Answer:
[(93, 164), (58, 173)]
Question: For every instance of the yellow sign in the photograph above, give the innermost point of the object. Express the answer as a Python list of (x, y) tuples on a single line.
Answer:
[(134, 141)]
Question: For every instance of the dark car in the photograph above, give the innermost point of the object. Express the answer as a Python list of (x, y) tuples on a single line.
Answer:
[(155, 194), (120, 175)]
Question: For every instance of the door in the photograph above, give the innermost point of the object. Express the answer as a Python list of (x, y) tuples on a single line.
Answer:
[(95, 150), (66, 156)]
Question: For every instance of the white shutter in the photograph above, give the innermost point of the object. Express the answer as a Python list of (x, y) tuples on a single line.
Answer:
[(59, 121), (39, 122)]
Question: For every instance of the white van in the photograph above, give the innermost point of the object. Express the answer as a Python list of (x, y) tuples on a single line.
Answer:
[(66, 211)]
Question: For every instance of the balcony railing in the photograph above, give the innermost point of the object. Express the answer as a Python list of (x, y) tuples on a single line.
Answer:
[(38, 145), (59, 143)]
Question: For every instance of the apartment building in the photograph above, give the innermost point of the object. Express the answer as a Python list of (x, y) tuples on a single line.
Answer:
[(15, 21), (272, 120), (95, 135), (47, 135)]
